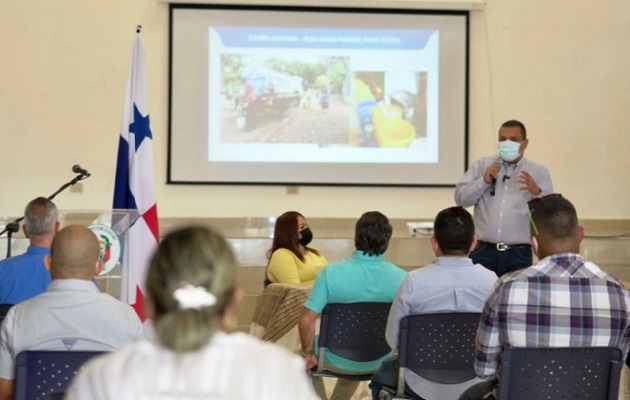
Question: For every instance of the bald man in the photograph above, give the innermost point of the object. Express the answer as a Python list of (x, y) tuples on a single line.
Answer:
[(72, 314)]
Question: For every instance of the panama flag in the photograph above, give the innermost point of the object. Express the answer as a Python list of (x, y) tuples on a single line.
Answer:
[(134, 188)]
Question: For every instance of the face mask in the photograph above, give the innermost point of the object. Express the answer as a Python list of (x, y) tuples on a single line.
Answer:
[(509, 150), (307, 236)]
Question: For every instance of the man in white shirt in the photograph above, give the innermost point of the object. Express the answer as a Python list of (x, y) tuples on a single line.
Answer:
[(451, 283), (72, 314), (499, 187)]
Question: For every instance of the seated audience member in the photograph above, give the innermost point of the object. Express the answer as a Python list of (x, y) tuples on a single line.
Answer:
[(531, 307), (291, 259), (451, 283), (25, 276), (72, 314), (192, 294), (366, 277)]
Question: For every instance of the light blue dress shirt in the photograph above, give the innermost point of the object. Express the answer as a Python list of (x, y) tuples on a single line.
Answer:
[(501, 218), (448, 284)]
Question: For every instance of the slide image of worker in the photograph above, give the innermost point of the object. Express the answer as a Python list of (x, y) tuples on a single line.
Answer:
[(282, 100), (389, 109)]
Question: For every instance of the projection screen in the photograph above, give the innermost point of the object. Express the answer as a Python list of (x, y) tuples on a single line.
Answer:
[(313, 96)]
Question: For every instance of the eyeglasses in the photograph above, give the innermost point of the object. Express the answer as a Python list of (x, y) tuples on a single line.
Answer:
[(533, 203)]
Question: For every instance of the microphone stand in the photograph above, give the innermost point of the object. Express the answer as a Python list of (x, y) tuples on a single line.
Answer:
[(14, 226)]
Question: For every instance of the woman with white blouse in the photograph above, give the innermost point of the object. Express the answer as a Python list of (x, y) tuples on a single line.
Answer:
[(192, 293)]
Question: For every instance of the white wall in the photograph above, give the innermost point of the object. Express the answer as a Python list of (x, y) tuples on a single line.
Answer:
[(562, 67)]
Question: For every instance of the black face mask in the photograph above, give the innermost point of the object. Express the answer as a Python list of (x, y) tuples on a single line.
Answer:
[(307, 236)]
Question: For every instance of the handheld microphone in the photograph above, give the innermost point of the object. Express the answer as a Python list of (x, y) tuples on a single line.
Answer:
[(76, 168), (493, 187)]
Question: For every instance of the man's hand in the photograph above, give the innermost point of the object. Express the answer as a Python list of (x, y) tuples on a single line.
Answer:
[(7, 388), (529, 184), (310, 361), (491, 173), (306, 325)]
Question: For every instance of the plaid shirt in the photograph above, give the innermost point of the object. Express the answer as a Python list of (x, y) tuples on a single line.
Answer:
[(563, 301)]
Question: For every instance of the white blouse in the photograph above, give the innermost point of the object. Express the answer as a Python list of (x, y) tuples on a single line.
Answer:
[(232, 366)]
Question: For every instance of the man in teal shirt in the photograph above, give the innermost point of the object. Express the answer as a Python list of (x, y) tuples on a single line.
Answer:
[(365, 277)]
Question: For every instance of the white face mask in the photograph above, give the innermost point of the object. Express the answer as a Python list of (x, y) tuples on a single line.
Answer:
[(509, 150)]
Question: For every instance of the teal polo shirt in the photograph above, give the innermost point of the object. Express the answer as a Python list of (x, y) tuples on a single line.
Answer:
[(362, 278)]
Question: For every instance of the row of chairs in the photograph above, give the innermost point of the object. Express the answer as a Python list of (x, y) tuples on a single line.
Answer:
[(437, 347), (440, 348), (45, 375)]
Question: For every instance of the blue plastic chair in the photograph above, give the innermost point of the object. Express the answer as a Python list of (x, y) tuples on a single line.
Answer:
[(560, 373), (43, 375), (354, 331), (438, 347)]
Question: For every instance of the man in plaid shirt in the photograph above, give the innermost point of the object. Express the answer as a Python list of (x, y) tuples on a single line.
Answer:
[(563, 301)]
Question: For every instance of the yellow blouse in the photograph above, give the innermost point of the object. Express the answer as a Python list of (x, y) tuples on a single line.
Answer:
[(285, 267)]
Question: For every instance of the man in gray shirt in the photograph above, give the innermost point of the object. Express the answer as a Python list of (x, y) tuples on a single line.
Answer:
[(451, 283), (499, 187), (72, 314)]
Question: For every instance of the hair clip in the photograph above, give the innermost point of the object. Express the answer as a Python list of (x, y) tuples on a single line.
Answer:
[(195, 297)]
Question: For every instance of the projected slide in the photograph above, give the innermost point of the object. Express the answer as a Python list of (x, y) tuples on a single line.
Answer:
[(323, 95), (275, 95)]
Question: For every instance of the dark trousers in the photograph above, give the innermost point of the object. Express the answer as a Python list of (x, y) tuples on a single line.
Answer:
[(501, 262), (387, 375), (479, 391)]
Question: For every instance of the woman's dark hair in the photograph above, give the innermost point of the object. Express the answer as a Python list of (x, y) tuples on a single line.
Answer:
[(372, 233), (286, 236)]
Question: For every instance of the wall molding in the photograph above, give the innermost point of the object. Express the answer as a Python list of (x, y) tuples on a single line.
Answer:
[(463, 5)]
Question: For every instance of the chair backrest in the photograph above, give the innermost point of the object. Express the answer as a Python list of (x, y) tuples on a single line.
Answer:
[(4, 309), (46, 374), (355, 331), (439, 347), (560, 373)]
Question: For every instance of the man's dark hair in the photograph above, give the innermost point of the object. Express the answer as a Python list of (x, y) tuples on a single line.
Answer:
[(514, 123), (372, 233), (454, 231), (556, 218)]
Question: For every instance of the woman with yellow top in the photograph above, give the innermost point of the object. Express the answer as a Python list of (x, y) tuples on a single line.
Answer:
[(291, 260)]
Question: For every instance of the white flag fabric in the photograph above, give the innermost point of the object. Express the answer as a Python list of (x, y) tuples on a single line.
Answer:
[(135, 187)]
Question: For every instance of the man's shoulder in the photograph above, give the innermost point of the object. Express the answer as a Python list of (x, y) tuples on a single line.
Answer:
[(485, 160), (341, 265), (349, 263), (543, 270), (529, 164), (66, 296), (35, 258), (424, 274), (11, 261), (393, 267), (481, 271), (599, 273)]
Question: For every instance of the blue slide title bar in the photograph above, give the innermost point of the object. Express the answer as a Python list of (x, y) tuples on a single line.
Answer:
[(377, 39)]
